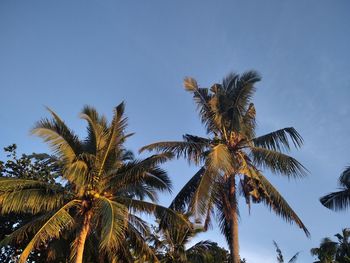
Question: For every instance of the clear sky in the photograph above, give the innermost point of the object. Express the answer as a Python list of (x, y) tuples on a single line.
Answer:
[(65, 54)]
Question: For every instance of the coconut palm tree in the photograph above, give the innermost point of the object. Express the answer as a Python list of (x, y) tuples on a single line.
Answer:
[(171, 244), (339, 200), (231, 157), (326, 252), (94, 204), (343, 251), (280, 258)]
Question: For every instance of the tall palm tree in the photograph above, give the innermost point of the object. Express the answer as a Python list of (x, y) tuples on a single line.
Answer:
[(339, 200), (280, 258), (102, 186), (231, 157)]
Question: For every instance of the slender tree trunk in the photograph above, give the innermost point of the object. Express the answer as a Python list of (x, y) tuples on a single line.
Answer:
[(233, 218), (82, 238)]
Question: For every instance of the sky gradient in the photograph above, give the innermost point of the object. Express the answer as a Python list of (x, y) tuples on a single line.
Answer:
[(65, 54)]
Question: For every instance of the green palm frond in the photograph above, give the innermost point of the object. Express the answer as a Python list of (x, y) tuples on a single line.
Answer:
[(269, 195), (29, 196), (136, 238), (113, 218), (61, 220), (167, 216), (97, 129), (277, 162), (188, 149), (279, 140), (116, 137), (60, 138)]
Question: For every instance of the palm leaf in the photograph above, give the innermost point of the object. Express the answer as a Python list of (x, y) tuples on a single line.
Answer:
[(279, 140), (53, 228), (273, 199), (277, 162), (113, 224), (60, 138), (337, 200)]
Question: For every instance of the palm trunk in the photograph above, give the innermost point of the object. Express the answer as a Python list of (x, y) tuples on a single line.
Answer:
[(82, 238), (233, 217)]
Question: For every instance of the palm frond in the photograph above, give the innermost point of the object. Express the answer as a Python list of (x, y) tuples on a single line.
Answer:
[(97, 127), (277, 162), (113, 217), (52, 228), (187, 149), (279, 140), (167, 216), (344, 179), (185, 195), (60, 138), (273, 199), (29, 196), (294, 258), (337, 200), (279, 253)]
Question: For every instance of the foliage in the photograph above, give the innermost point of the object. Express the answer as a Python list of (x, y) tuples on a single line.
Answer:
[(106, 189), (171, 246), (280, 258), (331, 251), (35, 166)]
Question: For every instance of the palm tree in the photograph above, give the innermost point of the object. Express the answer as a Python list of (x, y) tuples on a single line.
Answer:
[(339, 200), (280, 258), (343, 251), (326, 252), (171, 244), (102, 187), (232, 156)]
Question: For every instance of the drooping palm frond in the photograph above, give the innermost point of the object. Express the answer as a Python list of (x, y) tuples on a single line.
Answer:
[(113, 217), (279, 140), (141, 248), (30, 196), (277, 162), (337, 201), (60, 221), (167, 216), (185, 195), (269, 195)]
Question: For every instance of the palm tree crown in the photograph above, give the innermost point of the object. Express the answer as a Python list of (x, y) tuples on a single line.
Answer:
[(103, 186), (232, 157)]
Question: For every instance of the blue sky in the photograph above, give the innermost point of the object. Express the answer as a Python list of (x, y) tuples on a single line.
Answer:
[(65, 54)]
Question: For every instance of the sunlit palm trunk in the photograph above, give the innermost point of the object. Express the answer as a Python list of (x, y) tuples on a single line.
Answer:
[(233, 218), (82, 238)]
